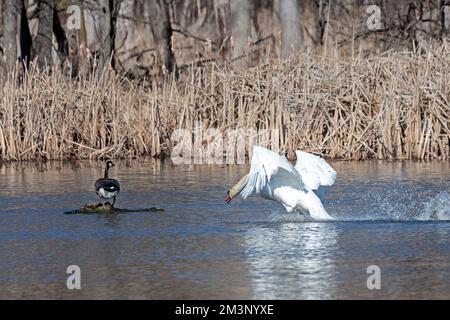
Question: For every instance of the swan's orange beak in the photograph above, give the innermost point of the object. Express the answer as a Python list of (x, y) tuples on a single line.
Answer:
[(228, 198)]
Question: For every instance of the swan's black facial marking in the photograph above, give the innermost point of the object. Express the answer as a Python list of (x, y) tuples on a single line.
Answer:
[(228, 198)]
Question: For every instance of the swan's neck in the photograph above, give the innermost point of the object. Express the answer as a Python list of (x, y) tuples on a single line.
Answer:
[(106, 171), (237, 188)]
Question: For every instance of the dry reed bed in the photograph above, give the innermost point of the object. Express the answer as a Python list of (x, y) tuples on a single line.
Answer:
[(390, 106)]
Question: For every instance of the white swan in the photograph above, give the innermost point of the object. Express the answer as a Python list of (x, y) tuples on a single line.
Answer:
[(273, 177)]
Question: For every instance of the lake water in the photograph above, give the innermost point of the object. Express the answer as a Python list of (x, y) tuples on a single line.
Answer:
[(392, 215)]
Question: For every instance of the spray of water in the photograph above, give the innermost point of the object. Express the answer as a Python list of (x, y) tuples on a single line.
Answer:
[(403, 204), (437, 208)]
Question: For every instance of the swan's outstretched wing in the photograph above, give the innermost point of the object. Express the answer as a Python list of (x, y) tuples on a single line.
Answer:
[(314, 170), (265, 164)]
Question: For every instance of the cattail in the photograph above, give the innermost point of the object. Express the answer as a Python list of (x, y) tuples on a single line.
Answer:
[(389, 106)]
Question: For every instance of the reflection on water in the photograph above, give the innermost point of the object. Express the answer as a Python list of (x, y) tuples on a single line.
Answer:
[(393, 215), (292, 255)]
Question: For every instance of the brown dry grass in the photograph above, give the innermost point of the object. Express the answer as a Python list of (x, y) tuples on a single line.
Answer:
[(390, 106)]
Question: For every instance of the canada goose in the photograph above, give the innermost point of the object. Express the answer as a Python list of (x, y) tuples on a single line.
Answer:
[(107, 188), (273, 177)]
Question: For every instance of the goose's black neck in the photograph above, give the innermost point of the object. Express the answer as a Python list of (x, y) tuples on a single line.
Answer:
[(106, 171)]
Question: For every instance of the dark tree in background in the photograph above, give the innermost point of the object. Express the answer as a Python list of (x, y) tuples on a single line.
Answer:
[(43, 43), (76, 41), (1, 30), (162, 34), (11, 12), (143, 37), (222, 19), (105, 33), (25, 37)]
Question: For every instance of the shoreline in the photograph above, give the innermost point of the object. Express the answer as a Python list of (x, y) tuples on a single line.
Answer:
[(147, 162)]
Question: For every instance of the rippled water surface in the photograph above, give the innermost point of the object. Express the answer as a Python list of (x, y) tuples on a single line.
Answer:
[(393, 215)]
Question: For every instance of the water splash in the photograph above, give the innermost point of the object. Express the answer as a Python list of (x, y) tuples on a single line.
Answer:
[(437, 208), (398, 205), (396, 200)]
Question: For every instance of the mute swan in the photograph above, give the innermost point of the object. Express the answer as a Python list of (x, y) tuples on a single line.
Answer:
[(273, 177), (107, 188)]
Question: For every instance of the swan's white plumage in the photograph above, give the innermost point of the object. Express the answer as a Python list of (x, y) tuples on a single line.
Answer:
[(265, 164), (273, 177), (314, 170)]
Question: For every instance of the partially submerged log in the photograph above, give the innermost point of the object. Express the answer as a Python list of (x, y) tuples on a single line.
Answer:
[(108, 208)]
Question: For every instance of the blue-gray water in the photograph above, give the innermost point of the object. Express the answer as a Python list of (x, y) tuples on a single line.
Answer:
[(392, 215)]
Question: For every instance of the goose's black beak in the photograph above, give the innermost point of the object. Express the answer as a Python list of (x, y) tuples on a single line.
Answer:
[(228, 198)]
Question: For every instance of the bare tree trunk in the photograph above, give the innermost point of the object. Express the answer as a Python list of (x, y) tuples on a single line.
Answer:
[(77, 45), (114, 6), (83, 50), (222, 16), (443, 8), (255, 31), (312, 22), (25, 37), (291, 28), (60, 36), (240, 30), (43, 44), (105, 34), (1, 28), (11, 13), (108, 17), (162, 34)]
